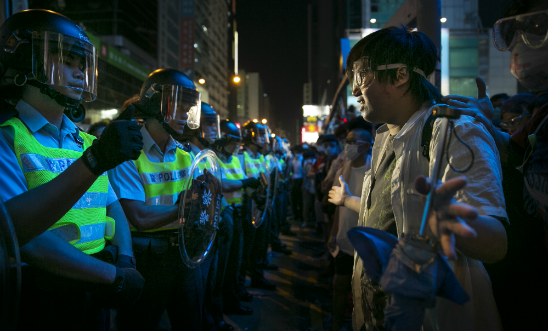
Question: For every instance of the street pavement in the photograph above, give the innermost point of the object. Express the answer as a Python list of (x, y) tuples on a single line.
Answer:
[(302, 299)]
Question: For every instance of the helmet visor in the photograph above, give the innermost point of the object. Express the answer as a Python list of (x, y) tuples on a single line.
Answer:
[(531, 27), (181, 104), (67, 64), (211, 128)]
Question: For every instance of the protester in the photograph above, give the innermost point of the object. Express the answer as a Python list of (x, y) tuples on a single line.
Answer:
[(515, 112), (357, 146), (389, 68), (527, 258), (296, 171), (309, 158)]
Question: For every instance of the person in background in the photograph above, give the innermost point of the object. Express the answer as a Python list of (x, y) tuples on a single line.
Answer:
[(358, 162), (296, 172), (97, 129), (317, 172), (515, 112), (523, 158), (309, 158), (498, 100)]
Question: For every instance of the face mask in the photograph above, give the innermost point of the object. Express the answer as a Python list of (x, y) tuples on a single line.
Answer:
[(530, 67), (351, 151)]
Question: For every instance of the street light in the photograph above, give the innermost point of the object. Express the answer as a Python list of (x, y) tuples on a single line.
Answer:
[(201, 81), (273, 135), (264, 121), (373, 20), (237, 79), (255, 120), (443, 19)]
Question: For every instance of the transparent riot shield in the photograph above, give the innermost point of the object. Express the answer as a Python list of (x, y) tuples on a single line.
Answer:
[(10, 263), (200, 208), (263, 197)]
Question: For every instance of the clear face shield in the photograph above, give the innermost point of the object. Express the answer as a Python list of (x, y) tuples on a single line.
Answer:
[(211, 128), (67, 64), (179, 105), (532, 28), (261, 137)]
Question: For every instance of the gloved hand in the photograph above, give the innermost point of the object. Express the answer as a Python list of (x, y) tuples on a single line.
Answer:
[(121, 141), (125, 262), (124, 292), (251, 182)]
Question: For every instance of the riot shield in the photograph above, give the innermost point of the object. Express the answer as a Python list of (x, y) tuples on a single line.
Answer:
[(200, 208), (263, 197), (10, 262)]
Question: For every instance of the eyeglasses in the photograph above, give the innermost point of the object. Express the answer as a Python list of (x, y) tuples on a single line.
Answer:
[(508, 124), (364, 76), (532, 27)]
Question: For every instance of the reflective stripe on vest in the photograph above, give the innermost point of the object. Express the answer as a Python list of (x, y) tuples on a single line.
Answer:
[(253, 166), (85, 225), (233, 171), (163, 181)]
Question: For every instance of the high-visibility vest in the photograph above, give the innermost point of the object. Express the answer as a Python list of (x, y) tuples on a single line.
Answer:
[(254, 166), (86, 225), (233, 171), (163, 181)]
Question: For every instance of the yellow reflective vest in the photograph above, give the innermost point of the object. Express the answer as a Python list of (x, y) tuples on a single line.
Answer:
[(85, 225), (164, 181), (233, 171)]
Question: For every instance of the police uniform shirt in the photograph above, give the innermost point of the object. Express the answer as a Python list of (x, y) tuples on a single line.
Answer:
[(47, 134), (125, 178)]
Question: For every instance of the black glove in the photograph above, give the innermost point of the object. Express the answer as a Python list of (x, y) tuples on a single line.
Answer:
[(125, 262), (251, 182), (124, 292), (121, 141)]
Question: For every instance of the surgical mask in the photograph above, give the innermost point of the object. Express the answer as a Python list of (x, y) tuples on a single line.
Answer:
[(529, 66), (351, 151)]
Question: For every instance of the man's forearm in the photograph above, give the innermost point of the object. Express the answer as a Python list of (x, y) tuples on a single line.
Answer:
[(122, 234), (51, 253), (49, 201), (145, 217), (490, 245), (231, 185), (353, 203)]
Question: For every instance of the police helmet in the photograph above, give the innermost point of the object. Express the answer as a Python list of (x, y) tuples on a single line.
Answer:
[(38, 46), (254, 133), (229, 133)]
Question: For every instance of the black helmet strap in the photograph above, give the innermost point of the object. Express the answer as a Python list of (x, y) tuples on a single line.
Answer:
[(73, 109)]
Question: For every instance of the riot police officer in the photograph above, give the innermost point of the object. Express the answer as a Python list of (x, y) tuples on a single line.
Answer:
[(255, 140), (148, 189), (54, 177), (235, 181)]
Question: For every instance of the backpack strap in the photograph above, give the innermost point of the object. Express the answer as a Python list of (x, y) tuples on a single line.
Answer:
[(427, 136)]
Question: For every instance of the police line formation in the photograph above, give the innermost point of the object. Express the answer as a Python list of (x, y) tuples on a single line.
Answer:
[(172, 207)]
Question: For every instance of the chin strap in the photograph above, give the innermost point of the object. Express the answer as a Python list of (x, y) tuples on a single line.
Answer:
[(73, 109)]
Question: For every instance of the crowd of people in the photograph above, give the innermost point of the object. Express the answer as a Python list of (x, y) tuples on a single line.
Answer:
[(115, 221)]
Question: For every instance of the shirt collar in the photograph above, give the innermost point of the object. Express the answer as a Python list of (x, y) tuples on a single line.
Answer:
[(149, 143), (35, 121)]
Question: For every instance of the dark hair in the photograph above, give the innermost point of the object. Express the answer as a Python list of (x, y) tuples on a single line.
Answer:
[(341, 129), (329, 137), (499, 96), (399, 45), (538, 101), (97, 126), (359, 123)]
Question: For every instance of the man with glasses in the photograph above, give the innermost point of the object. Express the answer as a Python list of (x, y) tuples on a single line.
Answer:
[(390, 67), (358, 162)]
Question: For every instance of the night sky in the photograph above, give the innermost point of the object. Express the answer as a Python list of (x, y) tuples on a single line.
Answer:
[(273, 42)]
